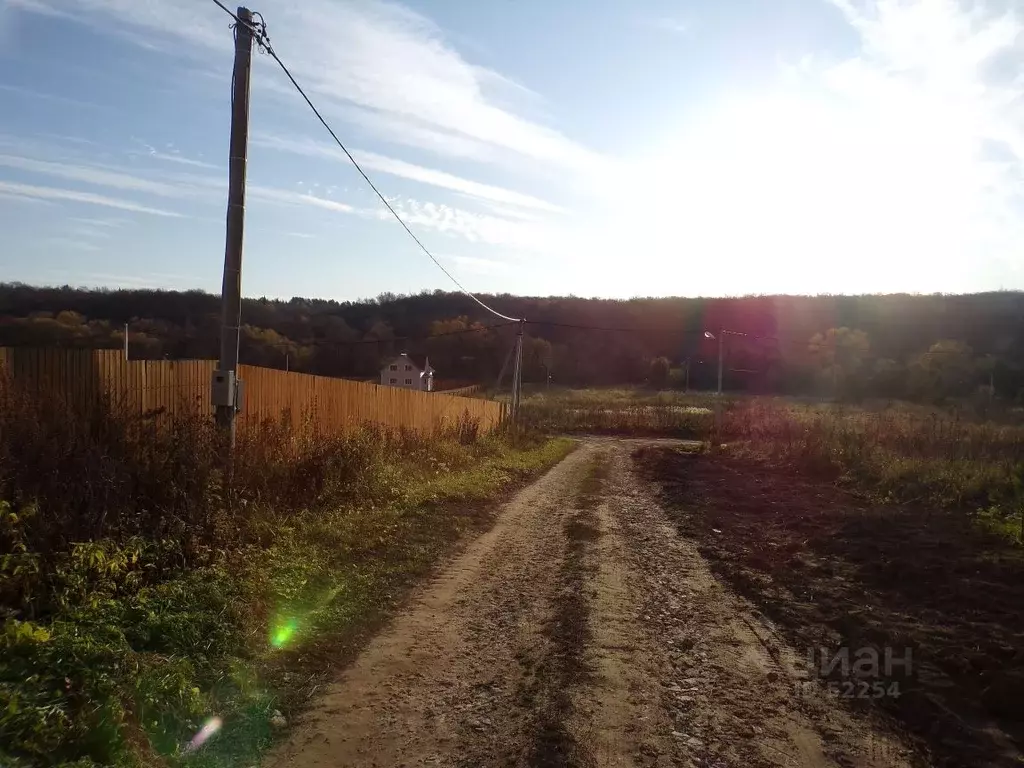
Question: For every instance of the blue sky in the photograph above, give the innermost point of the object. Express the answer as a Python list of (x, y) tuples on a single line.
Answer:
[(599, 148)]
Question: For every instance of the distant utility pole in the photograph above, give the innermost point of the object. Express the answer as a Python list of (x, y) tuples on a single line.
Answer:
[(517, 376), (721, 350), (126, 342), (226, 391)]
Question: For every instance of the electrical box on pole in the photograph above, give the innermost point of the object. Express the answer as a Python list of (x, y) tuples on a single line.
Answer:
[(225, 387)]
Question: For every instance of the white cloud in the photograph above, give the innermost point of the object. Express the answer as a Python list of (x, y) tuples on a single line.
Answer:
[(68, 195), (288, 197), (15, 198), (96, 176), (409, 131), (175, 157), (375, 162), (93, 222), (36, 6), (376, 55), (537, 237), (72, 244)]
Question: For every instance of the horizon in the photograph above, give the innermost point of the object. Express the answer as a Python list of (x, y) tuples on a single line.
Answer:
[(820, 148), (526, 297)]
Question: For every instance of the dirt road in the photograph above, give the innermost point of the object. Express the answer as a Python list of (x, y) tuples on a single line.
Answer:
[(582, 630)]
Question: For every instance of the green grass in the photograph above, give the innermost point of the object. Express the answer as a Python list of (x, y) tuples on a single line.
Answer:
[(207, 603)]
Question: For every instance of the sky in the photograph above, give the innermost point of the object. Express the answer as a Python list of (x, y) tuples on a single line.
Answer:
[(610, 148)]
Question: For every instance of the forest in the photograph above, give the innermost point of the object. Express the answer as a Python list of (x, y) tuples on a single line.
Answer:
[(920, 347)]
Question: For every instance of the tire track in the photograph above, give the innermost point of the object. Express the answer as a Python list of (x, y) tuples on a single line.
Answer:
[(566, 669)]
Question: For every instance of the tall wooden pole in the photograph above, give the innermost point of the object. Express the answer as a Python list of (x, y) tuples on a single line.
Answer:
[(517, 377), (225, 387)]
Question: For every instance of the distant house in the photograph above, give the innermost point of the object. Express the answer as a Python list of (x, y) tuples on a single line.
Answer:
[(408, 372)]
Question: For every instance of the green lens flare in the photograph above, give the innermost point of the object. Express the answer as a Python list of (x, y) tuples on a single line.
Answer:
[(286, 629), (284, 632)]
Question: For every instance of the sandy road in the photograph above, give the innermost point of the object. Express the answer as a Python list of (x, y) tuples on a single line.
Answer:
[(581, 630)]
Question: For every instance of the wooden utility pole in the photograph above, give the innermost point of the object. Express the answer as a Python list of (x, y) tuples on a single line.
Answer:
[(517, 376), (226, 390)]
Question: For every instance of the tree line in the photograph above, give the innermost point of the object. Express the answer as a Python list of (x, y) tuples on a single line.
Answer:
[(924, 347)]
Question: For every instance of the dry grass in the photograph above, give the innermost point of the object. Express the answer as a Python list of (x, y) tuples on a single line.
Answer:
[(618, 411), (898, 454)]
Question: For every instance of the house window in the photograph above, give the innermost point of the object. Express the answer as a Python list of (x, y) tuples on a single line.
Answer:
[(394, 367), (394, 381), (408, 367), (408, 381)]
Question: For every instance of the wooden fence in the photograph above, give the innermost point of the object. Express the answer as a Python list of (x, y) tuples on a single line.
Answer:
[(179, 386)]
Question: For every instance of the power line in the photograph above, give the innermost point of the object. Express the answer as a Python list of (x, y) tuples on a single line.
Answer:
[(263, 39)]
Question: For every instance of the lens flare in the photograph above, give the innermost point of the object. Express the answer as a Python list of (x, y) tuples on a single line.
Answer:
[(284, 632), (295, 616), (210, 727)]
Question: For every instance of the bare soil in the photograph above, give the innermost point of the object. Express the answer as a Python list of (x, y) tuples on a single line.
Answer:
[(835, 571), (584, 629)]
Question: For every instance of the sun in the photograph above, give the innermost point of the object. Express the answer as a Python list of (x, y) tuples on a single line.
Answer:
[(798, 193)]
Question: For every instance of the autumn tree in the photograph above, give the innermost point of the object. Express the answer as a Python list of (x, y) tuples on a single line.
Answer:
[(840, 354), (658, 372), (945, 370)]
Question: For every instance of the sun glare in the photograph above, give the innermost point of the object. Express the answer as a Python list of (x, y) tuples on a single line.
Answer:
[(786, 192)]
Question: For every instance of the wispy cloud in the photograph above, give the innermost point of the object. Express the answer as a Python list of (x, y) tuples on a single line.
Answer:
[(407, 130), (38, 6), (29, 191), (376, 55), (44, 96), (174, 157), (539, 237), (289, 197), (93, 222), (96, 176), (92, 234), (73, 244), (394, 167), (15, 198)]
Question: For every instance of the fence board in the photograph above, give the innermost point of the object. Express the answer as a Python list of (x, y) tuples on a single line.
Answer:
[(166, 388)]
